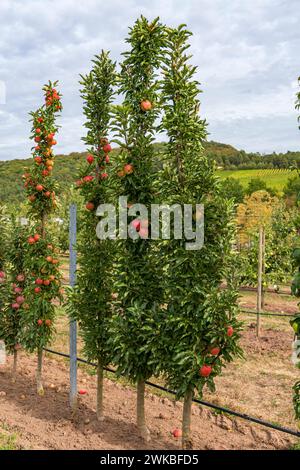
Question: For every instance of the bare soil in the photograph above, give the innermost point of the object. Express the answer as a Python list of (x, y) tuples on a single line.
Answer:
[(47, 423)]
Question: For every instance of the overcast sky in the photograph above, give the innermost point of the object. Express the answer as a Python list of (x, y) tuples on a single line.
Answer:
[(247, 52)]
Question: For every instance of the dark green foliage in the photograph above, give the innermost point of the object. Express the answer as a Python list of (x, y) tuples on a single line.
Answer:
[(138, 280), (198, 313), (257, 184), (11, 317), (90, 299), (231, 188)]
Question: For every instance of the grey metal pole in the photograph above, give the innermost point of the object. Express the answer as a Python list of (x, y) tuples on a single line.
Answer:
[(73, 323)]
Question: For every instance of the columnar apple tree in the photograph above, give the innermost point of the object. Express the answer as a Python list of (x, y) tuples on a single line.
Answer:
[(90, 300), (14, 302), (137, 285), (200, 328), (43, 280), (3, 242)]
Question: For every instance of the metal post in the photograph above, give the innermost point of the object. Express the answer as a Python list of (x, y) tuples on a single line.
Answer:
[(73, 324), (259, 280)]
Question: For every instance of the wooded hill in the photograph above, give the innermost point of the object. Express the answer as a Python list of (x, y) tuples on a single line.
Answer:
[(67, 166)]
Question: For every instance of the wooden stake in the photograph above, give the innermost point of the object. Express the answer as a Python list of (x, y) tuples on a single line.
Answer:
[(259, 280)]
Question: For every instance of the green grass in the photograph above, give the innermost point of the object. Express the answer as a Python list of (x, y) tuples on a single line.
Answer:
[(275, 179), (7, 441)]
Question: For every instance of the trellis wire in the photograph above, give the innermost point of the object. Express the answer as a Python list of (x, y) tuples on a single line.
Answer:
[(196, 400)]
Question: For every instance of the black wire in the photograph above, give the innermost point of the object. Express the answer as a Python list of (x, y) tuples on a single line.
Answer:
[(267, 314), (196, 400)]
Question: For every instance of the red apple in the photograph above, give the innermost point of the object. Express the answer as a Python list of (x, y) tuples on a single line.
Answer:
[(2, 274), (107, 159), (215, 351), (38, 160), (48, 322), (39, 187), (104, 176), (20, 278), (143, 232), (20, 299), (177, 433), (230, 331), (146, 105), (82, 392), (128, 168), (47, 193), (90, 159), (205, 370), (36, 237), (18, 290), (107, 148), (39, 281), (90, 206), (31, 240), (46, 282), (15, 306), (37, 290), (40, 322), (136, 224), (38, 130)]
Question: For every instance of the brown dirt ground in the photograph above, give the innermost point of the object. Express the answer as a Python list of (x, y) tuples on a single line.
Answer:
[(46, 422)]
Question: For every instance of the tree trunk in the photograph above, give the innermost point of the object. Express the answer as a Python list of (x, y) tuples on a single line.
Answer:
[(186, 421), (100, 415), (39, 383), (14, 372), (141, 422)]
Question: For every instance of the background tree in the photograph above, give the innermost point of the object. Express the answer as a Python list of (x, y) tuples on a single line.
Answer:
[(14, 302), (90, 300), (199, 328), (257, 184), (138, 281), (231, 188), (41, 262), (256, 210)]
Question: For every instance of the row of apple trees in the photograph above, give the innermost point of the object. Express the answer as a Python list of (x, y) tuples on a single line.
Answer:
[(280, 225), (152, 307), (148, 307)]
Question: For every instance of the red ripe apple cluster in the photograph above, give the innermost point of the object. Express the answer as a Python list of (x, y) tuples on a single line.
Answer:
[(207, 369), (127, 170), (52, 98), (46, 322), (2, 277), (36, 182), (18, 287), (97, 167)]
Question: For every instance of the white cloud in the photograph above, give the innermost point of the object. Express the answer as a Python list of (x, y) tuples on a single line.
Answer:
[(247, 53)]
